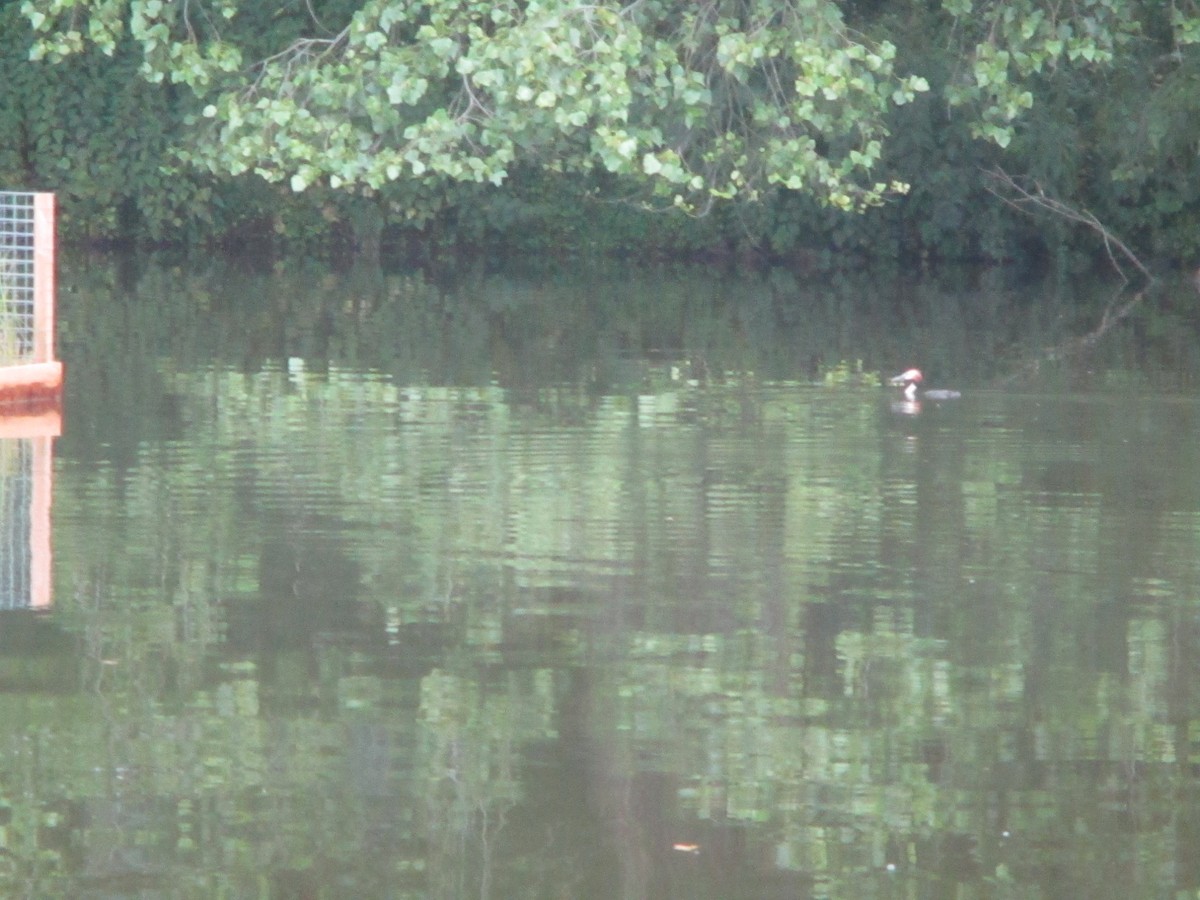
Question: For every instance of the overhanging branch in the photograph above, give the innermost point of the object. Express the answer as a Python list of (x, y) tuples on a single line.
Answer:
[(1034, 198)]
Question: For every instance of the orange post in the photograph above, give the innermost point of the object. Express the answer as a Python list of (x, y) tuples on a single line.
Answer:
[(43, 277), (45, 254)]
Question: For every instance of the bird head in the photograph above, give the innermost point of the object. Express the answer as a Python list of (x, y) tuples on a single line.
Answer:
[(912, 376)]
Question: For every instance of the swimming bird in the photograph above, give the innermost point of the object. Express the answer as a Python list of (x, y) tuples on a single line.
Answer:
[(912, 378)]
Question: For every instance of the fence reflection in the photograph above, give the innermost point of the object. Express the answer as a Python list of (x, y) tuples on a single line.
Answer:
[(26, 489)]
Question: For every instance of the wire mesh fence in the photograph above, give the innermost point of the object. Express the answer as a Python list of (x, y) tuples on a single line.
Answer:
[(26, 278), (16, 278), (27, 365)]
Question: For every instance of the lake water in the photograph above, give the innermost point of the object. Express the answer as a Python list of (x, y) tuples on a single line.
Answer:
[(597, 584)]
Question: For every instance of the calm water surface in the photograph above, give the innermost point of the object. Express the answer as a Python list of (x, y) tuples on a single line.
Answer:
[(592, 587)]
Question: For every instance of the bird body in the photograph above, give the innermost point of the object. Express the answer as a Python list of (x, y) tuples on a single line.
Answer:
[(912, 378)]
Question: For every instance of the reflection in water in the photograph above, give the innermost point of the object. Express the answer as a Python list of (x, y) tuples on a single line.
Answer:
[(631, 633), (25, 497), (15, 551)]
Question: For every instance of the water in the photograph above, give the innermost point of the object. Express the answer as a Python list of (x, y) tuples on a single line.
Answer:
[(380, 586)]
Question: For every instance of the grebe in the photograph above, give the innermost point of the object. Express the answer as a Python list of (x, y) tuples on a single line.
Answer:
[(912, 378)]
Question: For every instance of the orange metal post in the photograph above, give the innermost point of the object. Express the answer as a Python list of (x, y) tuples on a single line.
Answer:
[(43, 277)]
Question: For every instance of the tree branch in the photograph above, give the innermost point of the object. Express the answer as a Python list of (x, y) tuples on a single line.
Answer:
[(1034, 198)]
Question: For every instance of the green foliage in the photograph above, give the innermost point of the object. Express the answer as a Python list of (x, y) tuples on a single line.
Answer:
[(98, 134), (846, 374), (553, 123), (1146, 135), (1005, 45), (696, 102)]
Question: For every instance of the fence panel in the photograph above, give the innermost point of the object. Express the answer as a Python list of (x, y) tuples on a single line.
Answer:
[(26, 278)]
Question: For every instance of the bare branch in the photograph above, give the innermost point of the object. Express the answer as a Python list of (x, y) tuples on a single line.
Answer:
[(1034, 198), (302, 51)]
